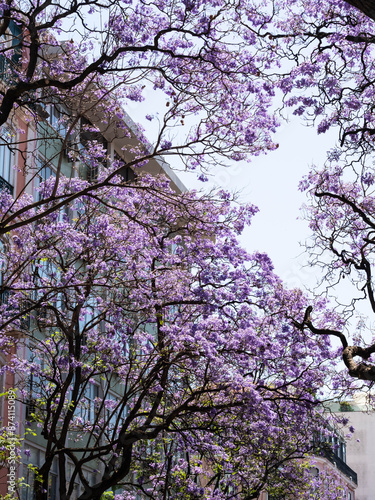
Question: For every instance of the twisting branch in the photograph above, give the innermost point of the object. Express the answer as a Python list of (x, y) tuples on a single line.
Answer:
[(344, 199), (362, 370)]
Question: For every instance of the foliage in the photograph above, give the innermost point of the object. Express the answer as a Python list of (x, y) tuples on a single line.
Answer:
[(194, 56), (145, 295), (202, 339)]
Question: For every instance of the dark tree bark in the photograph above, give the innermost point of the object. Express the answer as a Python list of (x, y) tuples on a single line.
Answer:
[(365, 6)]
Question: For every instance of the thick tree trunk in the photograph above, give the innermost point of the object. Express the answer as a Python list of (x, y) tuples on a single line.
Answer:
[(365, 6)]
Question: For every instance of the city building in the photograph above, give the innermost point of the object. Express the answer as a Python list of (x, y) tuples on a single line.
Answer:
[(360, 449), (328, 463), (31, 150)]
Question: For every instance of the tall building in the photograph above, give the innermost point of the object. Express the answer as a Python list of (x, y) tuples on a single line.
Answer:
[(361, 447), (329, 462), (32, 148)]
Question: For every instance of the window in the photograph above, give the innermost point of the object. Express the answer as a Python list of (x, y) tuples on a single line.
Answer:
[(33, 457), (90, 477), (128, 175), (52, 481), (87, 404), (43, 173), (7, 159), (342, 451), (88, 313), (4, 290), (89, 401), (76, 488), (34, 382), (46, 277), (92, 140), (10, 52), (114, 409), (57, 118), (54, 116)]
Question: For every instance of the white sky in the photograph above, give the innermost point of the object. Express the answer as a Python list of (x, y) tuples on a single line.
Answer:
[(271, 183)]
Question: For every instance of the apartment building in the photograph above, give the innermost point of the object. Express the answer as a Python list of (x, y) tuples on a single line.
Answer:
[(360, 449), (33, 148)]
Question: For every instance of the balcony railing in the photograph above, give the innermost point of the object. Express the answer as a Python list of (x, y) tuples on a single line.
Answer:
[(326, 452), (8, 70), (5, 185), (4, 295)]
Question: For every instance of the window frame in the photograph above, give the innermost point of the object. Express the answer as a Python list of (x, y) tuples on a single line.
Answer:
[(41, 167), (7, 160), (37, 455)]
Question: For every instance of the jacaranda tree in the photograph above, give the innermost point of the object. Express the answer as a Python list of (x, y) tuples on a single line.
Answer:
[(159, 352), (325, 73), (113, 283), (194, 57)]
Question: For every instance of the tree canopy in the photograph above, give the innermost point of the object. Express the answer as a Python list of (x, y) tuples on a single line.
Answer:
[(153, 337), (203, 339)]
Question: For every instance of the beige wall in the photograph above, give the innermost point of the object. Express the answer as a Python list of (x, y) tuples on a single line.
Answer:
[(360, 456)]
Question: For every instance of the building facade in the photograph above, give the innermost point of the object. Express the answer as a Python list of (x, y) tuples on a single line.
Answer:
[(32, 149), (361, 446)]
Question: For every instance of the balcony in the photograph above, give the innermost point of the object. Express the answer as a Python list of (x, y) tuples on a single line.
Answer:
[(329, 454), (8, 71), (4, 295), (5, 185)]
